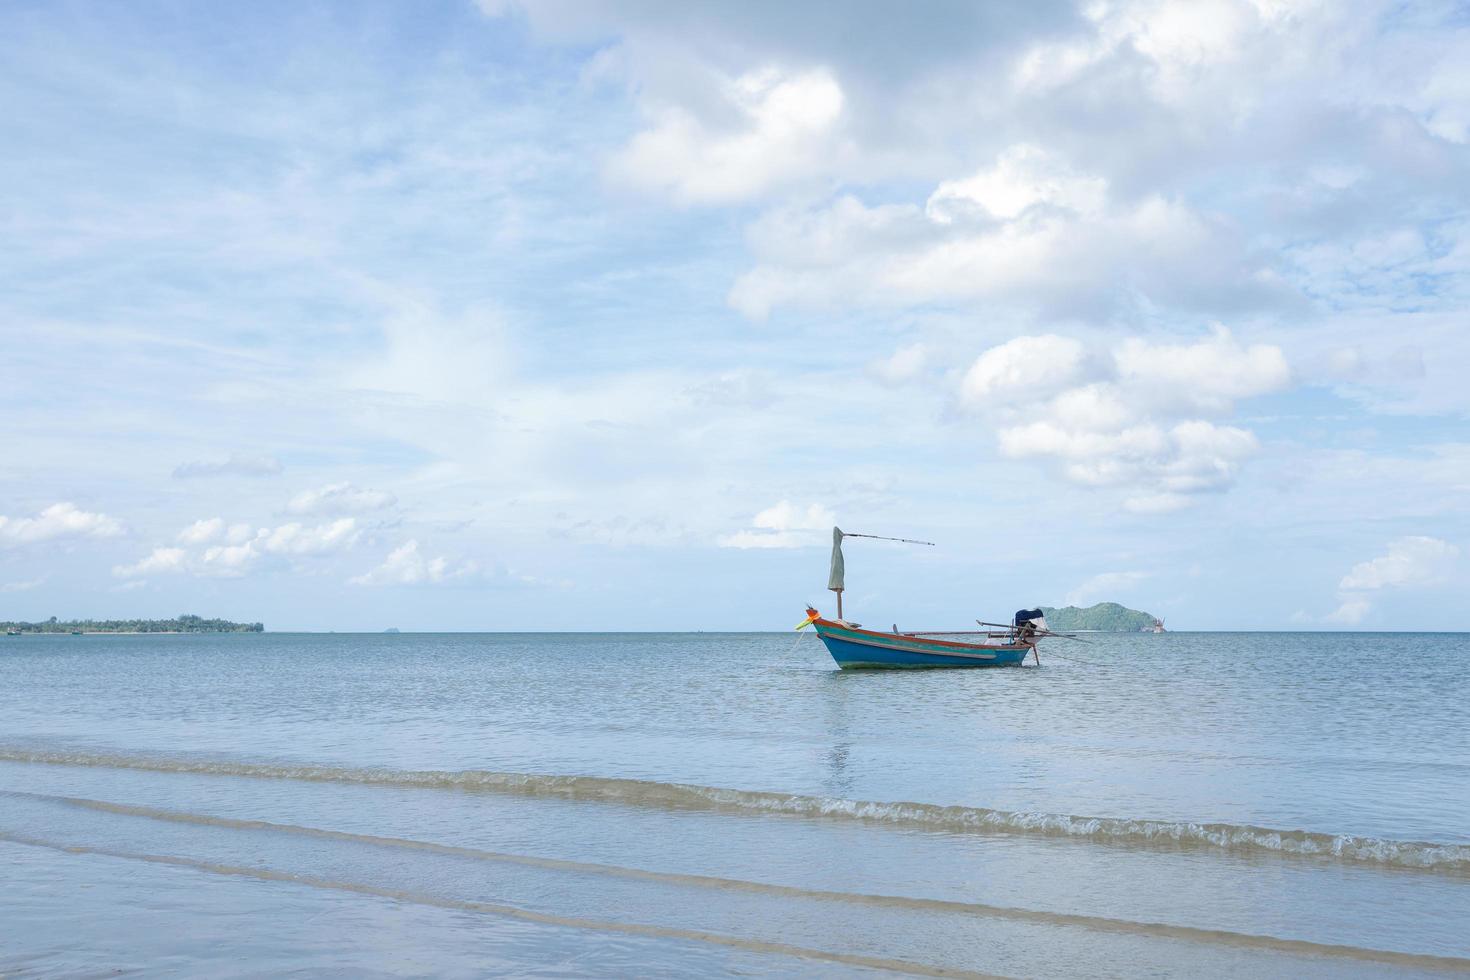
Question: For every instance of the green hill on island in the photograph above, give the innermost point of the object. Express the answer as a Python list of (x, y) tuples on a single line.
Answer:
[(1105, 617), (181, 624)]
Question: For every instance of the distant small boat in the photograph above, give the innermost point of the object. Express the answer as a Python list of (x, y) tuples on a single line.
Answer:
[(12, 632), (852, 646), (76, 632)]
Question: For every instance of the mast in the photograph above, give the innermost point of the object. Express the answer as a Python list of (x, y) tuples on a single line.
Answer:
[(835, 577)]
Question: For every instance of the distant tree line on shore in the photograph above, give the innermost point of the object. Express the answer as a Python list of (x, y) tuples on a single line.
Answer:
[(180, 624)]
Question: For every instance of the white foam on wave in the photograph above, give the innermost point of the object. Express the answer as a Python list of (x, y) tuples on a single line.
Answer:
[(930, 816)]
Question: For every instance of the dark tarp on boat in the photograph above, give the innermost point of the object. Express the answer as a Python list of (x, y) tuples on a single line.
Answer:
[(1028, 615)]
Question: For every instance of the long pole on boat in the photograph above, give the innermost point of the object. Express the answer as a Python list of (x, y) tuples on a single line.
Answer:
[(879, 537), (1007, 626)]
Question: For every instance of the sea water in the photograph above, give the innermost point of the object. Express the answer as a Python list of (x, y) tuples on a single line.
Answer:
[(1260, 804)]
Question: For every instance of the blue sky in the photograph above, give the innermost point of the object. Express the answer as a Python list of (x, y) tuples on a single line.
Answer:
[(599, 315)]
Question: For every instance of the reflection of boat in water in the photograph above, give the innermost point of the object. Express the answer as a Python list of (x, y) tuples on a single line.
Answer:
[(853, 646)]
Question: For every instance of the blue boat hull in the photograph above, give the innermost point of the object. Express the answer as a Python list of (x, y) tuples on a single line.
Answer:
[(855, 649)]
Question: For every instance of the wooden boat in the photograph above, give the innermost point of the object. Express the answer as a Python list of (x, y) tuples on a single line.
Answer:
[(852, 646)]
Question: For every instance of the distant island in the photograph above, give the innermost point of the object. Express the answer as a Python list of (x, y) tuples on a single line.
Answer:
[(1105, 617), (181, 624)]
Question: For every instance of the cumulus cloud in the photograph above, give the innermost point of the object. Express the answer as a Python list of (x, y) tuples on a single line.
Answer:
[(212, 529), (713, 68), (1277, 153), (1416, 560), (1028, 366), (60, 520), (1205, 376), (1029, 231), (227, 560), (297, 539), (780, 128), (340, 498), (1128, 417), (1351, 612), (1024, 176), (783, 525), (235, 465), (406, 565), (214, 550), (159, 560), (203, 531)]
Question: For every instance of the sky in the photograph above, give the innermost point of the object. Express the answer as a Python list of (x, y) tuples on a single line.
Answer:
[(600, 314)]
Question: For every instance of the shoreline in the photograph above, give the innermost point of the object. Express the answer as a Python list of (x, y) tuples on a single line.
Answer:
[(129, 632)]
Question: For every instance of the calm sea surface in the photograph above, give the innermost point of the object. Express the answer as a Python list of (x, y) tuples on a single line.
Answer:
[(675, 805)]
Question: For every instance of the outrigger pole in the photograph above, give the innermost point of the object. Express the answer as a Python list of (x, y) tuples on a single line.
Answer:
[(879, 537), (1064, 636), (835, 581)]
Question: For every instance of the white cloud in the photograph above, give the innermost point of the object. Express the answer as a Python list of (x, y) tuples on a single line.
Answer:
[(1024, 176), (783, 525), (1126, 418), (242, 550), (1025, 366), (1054, 245), (24, 586), (780, 128), (57, 521), (406, 566), (226, 560), (1351, 612), (296, 539), (340, 498), (202, 531), (235, 465), (1409, 561), (1205, 376), (159, 561)]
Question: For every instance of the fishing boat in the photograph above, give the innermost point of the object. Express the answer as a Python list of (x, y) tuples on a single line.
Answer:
[(853, 647)]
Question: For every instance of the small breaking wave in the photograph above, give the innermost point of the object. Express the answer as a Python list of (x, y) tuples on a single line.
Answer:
[(907, 903), (921, 816), (532, 915)]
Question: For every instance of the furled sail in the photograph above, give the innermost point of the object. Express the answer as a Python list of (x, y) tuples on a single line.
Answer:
[(834, 579)]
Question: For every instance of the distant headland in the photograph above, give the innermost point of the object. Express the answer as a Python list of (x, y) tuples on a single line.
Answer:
[(1105, 617), (180, 624)]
